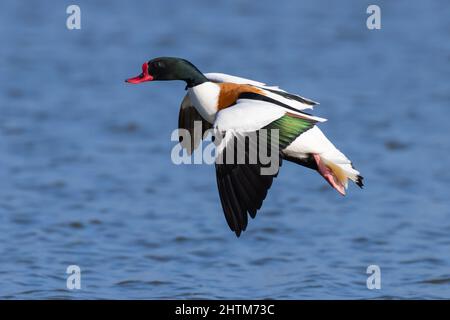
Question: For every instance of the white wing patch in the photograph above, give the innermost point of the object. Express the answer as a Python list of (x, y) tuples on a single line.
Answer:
[(222, 77), (247, 115)]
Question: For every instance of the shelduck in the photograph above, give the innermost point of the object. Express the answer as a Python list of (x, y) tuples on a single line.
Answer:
[(232, 107)]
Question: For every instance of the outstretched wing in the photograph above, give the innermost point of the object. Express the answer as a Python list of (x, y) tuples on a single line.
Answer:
[(190, 120), (244, 181), (296, 101)]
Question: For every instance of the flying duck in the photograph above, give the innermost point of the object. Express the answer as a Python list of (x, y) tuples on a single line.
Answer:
[(233, 106)]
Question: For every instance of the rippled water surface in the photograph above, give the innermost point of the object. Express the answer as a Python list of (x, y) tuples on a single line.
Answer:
[(86, 176)]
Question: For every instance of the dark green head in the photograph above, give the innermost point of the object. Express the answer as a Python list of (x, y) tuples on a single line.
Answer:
[(169, 68)]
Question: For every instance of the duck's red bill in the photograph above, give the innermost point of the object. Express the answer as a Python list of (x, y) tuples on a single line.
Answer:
[(140, 78), (144, 76)]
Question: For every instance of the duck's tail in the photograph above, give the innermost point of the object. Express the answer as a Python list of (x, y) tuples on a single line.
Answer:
[(315, 151), (337, 171)]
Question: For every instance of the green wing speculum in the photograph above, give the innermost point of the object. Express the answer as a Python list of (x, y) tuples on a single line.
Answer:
[(289, 128)]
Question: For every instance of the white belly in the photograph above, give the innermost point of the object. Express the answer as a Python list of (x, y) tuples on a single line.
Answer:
[(313, 141), (204, 97)]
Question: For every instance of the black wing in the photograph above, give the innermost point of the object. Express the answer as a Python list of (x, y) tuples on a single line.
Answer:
[(242, 187), (188, 118)]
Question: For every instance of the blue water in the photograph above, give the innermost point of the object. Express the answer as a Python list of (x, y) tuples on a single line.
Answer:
[(86, 176)]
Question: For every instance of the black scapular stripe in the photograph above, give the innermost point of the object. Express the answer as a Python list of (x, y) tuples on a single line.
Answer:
[(292, 97), (260, 97)]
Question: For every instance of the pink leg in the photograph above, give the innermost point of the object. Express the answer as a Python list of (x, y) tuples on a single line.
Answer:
[(328, 175)]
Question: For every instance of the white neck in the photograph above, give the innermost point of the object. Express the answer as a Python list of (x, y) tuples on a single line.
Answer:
[(205, 97)]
